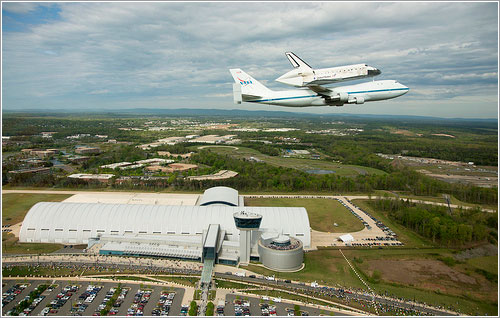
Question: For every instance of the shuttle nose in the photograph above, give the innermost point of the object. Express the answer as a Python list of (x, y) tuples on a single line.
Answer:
[(374, 72)]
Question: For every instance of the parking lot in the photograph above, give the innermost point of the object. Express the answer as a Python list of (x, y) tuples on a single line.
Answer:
[(67, 298), (255, 306)]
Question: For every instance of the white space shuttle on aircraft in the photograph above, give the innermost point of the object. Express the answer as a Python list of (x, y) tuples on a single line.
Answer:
[(248, 89), (304, 75)]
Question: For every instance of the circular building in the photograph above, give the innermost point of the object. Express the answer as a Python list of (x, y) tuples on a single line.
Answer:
[(281, 252)]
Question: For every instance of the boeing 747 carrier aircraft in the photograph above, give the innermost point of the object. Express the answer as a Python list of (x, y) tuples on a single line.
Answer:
[(248, 89)]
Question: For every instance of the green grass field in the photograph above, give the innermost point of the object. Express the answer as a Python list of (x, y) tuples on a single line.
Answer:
[(220, 283), (11, 245), (16, 205), (486, 263), (323, 213), (296, 163), (190, 281)]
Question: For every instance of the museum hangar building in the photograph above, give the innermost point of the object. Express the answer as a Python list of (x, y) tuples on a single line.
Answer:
[(219, 228)]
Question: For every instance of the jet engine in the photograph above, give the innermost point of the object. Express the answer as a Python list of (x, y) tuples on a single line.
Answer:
[(343, 97), (356, 100), (360, 100)]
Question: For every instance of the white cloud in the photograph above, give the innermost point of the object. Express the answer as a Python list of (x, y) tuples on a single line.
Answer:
[(183, 50)]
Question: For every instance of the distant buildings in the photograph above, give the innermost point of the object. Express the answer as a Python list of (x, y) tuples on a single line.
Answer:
[(255, 159), (280, 129), (41, 153), (77, 159), (31, 171), (90, 177), (223, 174), (182, 166), (87, 150), (208, 139), (213, 139), (298, 152), (136, 164), (168, 154), (47, 134), (173, 167), (78, 136), (161, 142)]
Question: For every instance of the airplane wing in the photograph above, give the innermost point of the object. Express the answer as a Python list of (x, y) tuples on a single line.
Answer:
[(330, 96), (319, 89)]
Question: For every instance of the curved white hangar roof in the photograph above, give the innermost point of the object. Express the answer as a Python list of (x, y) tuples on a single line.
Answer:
[(220, 195), (63, 222)]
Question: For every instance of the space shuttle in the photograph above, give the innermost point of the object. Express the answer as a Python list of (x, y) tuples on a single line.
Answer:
[(304, 75)]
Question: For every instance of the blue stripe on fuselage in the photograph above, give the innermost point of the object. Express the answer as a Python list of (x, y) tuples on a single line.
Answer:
[(380, 90), (295, 97)]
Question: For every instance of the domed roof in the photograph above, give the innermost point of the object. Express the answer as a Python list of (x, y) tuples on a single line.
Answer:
[(220, 196)]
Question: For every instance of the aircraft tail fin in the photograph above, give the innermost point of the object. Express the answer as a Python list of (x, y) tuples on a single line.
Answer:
[(246, 87), (297, 62)]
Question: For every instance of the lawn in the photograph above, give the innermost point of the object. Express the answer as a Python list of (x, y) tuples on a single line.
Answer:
[(231, 285), (11, 245), (323, 213), (16, 205), (190, 281), (486, 263)]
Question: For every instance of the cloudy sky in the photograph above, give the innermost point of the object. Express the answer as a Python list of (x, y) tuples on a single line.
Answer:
[(177, 55)]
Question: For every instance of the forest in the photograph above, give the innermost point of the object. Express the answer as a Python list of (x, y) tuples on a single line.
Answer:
[(450, 228)]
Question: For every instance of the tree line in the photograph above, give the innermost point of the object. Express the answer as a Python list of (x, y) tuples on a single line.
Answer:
[(456, 228)]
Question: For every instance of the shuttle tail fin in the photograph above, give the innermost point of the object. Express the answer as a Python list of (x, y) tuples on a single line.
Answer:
[(297, 62), (246, 87)]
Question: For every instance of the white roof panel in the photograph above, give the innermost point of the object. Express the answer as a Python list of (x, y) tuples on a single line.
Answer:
[(95, 219)]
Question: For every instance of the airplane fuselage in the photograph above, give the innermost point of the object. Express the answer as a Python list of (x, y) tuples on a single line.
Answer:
[(352, 94)]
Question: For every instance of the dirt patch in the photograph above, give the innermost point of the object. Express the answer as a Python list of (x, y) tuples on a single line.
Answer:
[(419, 272), (484, 250), (403, 132)]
